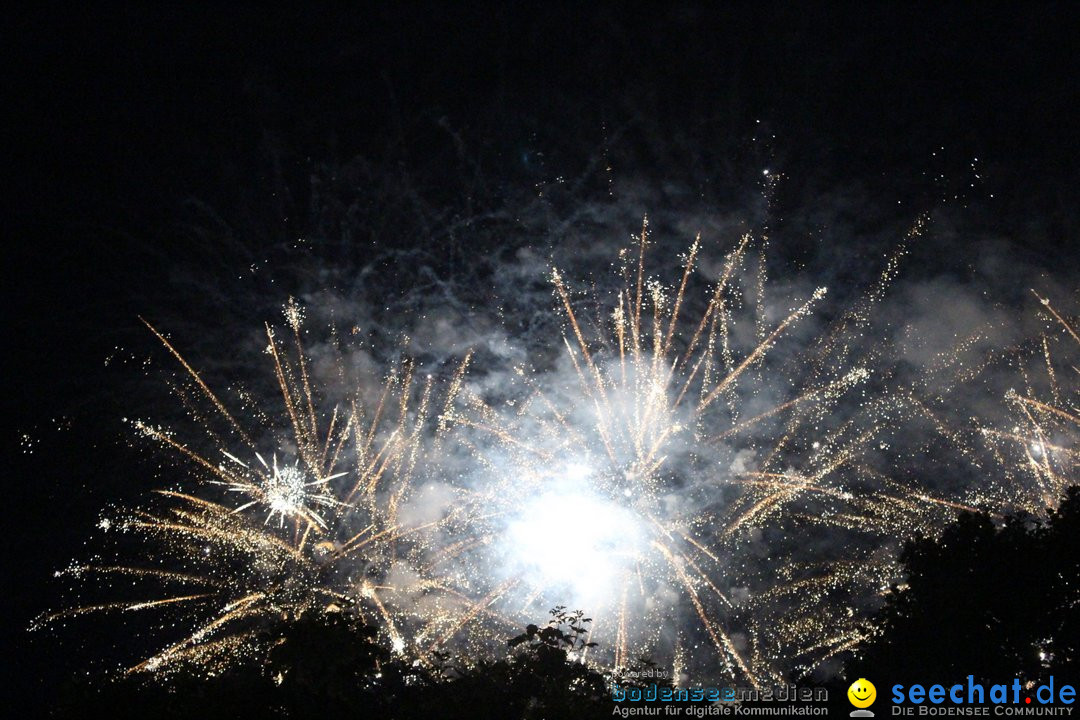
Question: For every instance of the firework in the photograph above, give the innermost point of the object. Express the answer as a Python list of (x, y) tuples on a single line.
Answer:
[(1037, 455), (704, 469), (675, 470), (315, 528)]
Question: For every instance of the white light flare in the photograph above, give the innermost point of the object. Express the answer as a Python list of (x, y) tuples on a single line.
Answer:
[(575, 545)]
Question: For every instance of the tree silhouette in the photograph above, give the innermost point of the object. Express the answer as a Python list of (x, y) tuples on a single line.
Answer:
[(329, 664), (541, 677), (991, 601)]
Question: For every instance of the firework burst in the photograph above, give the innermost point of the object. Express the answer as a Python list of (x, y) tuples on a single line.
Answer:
[(257, 542), (702, 470), (676, 469)]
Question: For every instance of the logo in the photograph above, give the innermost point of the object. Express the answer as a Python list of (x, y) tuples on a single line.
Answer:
[(977, 693), (862, 694)]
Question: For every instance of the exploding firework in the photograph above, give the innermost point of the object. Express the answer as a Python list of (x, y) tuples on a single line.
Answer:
[(704, 469), (670, 479), (260, 541)]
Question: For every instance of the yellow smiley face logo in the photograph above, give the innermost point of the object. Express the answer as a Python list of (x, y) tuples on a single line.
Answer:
[(862, 693)]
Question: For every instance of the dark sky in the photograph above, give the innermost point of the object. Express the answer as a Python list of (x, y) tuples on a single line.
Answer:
[(116, 118)]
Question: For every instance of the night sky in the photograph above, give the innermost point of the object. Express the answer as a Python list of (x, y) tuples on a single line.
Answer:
[(164, 162)]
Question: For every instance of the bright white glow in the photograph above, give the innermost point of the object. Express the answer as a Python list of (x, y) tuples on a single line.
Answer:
[(578, 472), (286, 490), (576, 544)]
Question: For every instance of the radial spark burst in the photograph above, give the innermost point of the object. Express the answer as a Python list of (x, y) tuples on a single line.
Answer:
[(285, 491), (670, 479), (253, 543)]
